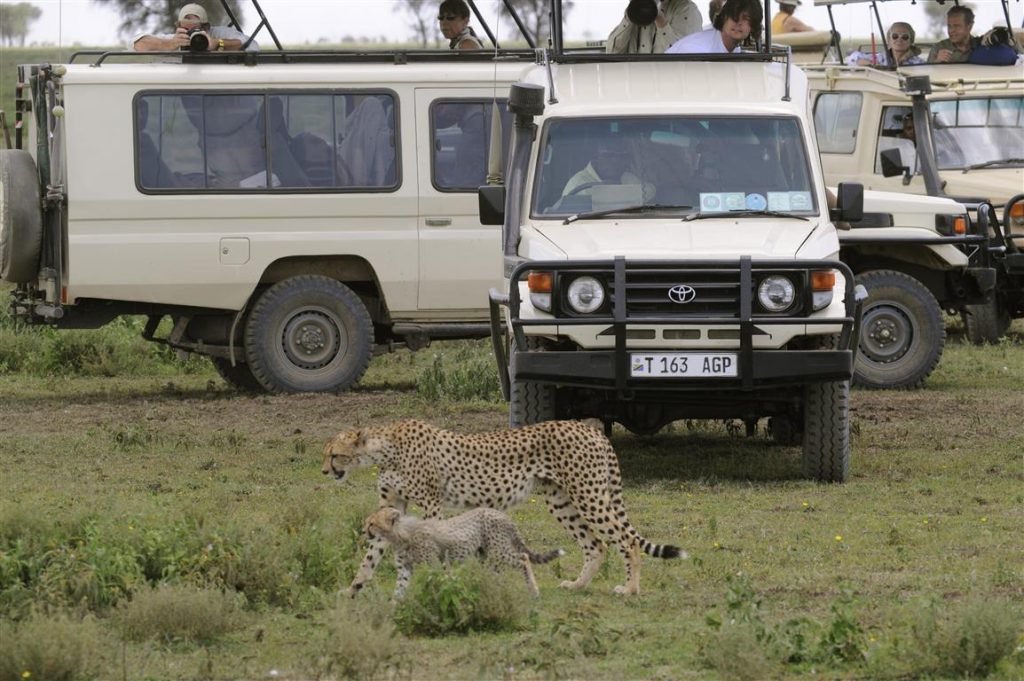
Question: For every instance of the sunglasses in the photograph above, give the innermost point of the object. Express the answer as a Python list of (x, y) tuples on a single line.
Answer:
[(900, 36), (446, 17)]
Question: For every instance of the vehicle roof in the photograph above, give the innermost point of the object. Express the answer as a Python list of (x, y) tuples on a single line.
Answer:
[(948, 80), (672, 87), (211, 75)]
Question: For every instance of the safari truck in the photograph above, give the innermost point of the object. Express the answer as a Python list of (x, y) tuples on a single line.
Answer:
[(669, 252), (947, 130), (293, 213)]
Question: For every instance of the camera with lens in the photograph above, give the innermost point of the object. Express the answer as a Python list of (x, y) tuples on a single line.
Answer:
[(642, 12), (999, 35), (198, 40)]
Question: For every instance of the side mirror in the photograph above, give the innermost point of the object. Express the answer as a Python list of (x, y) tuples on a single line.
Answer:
[(491, 200), (892, 165), (850, 202)]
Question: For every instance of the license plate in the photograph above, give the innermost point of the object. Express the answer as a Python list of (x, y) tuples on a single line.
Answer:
[(683, 365)]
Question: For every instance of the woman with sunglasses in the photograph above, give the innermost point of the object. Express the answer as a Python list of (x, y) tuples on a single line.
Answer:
[(900, 39), (453, 15)]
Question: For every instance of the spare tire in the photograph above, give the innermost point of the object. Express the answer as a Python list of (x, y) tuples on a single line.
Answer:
[(21, 219)]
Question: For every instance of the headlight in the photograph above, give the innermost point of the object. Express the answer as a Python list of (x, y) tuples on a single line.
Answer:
[(776, 293), (585, 295)]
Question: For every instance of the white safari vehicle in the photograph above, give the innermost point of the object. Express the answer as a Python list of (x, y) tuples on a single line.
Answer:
[(292, 215), (670, 254), (947, 130)]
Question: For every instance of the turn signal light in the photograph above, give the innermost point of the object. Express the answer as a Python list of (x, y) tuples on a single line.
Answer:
[(823, 281), (960, 225), (539, 282)]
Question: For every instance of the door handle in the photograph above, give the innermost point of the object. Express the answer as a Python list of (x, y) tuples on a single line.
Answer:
[(438, 222)]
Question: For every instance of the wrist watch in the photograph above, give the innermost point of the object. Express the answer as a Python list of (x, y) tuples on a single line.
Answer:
[(220, 45)]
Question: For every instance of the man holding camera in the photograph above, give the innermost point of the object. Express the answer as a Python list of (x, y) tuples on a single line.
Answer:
[(650, 26), (194, 33)]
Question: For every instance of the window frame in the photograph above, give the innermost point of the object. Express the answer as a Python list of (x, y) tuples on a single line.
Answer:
[(856, 128), (502, 102), (266, 94)]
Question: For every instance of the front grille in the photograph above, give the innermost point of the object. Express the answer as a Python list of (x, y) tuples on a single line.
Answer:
[(716, 293)]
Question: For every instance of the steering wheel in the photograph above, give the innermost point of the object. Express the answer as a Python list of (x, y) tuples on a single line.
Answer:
[(586, 185)]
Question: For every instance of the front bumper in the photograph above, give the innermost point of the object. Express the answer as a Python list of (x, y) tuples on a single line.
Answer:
[(609, 369)]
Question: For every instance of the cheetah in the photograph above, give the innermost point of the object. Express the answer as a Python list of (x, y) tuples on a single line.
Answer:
[(571, 463), (482, 532)]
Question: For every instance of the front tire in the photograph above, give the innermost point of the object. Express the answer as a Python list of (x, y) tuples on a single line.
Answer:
[(826, 433), (529, 401), (308, 334), (901, 333)]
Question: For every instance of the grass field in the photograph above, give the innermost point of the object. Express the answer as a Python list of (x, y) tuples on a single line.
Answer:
[(154, 525)]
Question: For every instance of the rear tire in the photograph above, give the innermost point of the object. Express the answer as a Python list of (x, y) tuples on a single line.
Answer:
[(986, 323), (308, 334), (827, 431), (21, 219), (238, 377), (901, 333)]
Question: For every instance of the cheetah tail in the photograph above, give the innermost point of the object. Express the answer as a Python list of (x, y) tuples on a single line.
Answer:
[(662, 550), (541, 558)]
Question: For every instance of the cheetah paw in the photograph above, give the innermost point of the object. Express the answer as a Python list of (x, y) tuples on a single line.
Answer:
[(622, 590), (571, 585)]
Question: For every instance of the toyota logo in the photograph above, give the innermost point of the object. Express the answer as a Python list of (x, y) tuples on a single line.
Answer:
[(682, 294)]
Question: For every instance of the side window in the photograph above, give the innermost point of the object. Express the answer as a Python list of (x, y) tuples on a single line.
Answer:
[(897, 132), (460, 132), (836, 119), (282, 142)]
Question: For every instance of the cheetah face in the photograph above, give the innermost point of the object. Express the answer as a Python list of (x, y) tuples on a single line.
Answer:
[(341, 453), (382, 522)]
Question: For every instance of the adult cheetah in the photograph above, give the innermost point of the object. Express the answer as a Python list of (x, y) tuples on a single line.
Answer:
[(571, 463)]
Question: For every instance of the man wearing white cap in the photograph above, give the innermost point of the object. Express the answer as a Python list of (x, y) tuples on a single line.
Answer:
[(785, 22), (193, 17)]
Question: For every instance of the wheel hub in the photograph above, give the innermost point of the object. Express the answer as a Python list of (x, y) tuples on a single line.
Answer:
[(887, 334), (312, 339)]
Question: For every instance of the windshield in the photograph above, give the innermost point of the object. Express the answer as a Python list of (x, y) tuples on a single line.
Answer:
[(967, 132), (675, 165)]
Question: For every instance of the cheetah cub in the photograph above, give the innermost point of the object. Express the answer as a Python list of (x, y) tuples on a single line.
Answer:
[(481, 532)]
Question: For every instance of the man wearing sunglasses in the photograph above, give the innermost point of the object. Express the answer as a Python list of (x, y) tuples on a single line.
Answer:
[(453, 15)]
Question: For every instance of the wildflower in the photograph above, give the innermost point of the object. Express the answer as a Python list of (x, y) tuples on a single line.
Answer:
[(839, 537), (984, 518), (26, 674), (717, 545)]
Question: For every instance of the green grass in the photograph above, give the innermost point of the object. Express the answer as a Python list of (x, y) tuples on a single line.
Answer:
[(122, 491)]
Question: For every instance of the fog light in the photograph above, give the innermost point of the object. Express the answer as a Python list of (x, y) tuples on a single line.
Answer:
[(776, 293), (585, 295)]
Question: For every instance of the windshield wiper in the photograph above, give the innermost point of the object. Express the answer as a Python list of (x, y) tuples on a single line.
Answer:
[(641, 208), (743, 214), (994, 162)]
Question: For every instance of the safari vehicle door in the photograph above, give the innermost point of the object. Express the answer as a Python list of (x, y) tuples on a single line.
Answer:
[(459, 256)]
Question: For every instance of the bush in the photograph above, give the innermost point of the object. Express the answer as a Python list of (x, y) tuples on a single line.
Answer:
[(49, 649), (970, 639), (468, 598), (735, 652), (362, 642), (174, 614), (472, 377)]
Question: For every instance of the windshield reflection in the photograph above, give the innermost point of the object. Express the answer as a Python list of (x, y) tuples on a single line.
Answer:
[(675, 165), (968, 132)]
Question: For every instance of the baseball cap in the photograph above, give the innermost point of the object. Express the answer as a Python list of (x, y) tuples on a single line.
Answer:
[(193, 8), (791, 3)]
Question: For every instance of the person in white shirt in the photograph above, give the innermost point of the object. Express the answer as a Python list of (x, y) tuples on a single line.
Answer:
[(650, 26), (193, 16), (737, 21)]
